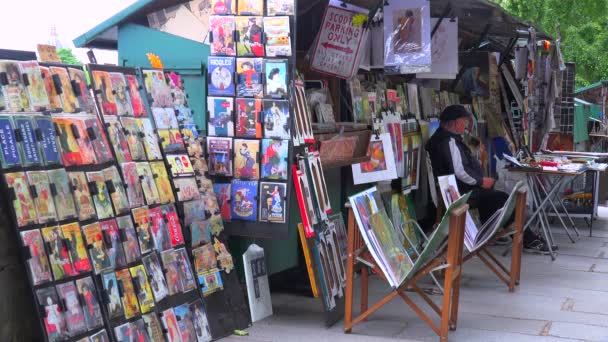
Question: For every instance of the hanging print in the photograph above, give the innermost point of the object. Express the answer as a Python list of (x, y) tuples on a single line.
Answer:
[(272, 202), (244, 202), (249, 31)]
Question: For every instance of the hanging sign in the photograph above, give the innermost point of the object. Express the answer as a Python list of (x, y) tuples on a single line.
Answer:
[(338, 47)]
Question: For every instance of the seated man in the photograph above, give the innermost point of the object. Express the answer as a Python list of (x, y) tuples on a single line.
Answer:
[(450, 155)]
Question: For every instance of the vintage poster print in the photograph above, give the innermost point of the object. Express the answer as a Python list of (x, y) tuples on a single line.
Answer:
[(175, 229), (180, 165), (274, 159), (78, 253), (23, 204), (48, 144), (159, 172), (98, 139), (223, 256), (59, 256), (200, 232), (201, 324), (137, 102), (157, 281), (172, 272), (121, 93), (185, 116), (124, 332), (90, 302), (280, 7), (222, 192), (276, 78), (75, 149), (171, 140), (97, 247), (189, 133), (250, 36), (165, 118), (101, 336), (14, 91), (85, 101), (277, 119), (111, 236), (170, 324), (135, 193), (277, 32), (248, 118), (36, 91), (157, 87), (110, 287), (148, 185), (74, 317), (251, 7), (129, 238), (272, 202), (10, 149), (134, 133), (128, 296), (144, 294), (210, 282), (152, 324), (249, 77), (221, 35), (185, 323), (150, 139), (29, 143), (38, 262), (220, 76), (104, 91), (381, 165), (82, 195), (68, 99), (186, 189), (64, 201), (220, 121), (220, 7), (54, 320), (159, 229), (185, 271), (194, 211), (176, 84), (100, 194), (51, 91), (117, 190), (204, 258), (243, 200), (220, 156), (246, 158), (43, 199), (117, 136), (141, 218), (200, 167)]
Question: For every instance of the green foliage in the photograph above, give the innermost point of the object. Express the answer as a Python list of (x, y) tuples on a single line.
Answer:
[(67, 56), (584, 29)]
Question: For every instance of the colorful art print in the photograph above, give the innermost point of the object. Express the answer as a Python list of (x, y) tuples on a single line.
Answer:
[(150, 139), (121, 93), (200, 167), (30, 154), (250, 37), (280, 7), (211, 205), (144, 293), (8, 143), (129, 238), (318, 179), (194, 211), (84, 100), (152, 324), (189, 132), (74, 317), (171, 140), (185, 322), (48, 144), (103, 87), (275, 71), (15, 93), (112, 294), (180, 165), (381, 165), (36, 91), (82, 195), (407, 36), (185, 270), (163, 184), (69, 102), (64, 201), (176, 84), (134, 135), (114, 249), (135, 193), (186, 188), (142, 225), (78, 252), (251, 7), (123, 332), (173, 224), (223, 256), (243, 203), (221, 76), (101, 336), (171, 327), (90, 303), (118, 139), (97, 247), (38, 262), (140, 332), (200, 232), (221, 35), (157, 87), (222, 192), (23, 204), (156, 278), (185, 116), (118, 194), (146, 179), (98, 140), (51, 91), (159, 229), (53, 314), (43, 199), (220, 121), (204, 258), (210, 282), (246, 158), (277, 120), (201, 324), (172, 272), (137, 102), (277, 34), (165, 118), (100, 194), (272, 202), (216, 224), (274, 159), (220, 156), (128, 296), (59, 256), (223, 7), (76, 148), (248, 118)]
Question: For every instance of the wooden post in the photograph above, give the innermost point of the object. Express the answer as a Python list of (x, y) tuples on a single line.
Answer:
[(350, 265), (518, 240)]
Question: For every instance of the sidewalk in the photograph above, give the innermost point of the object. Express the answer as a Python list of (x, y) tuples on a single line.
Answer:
[(565, 300)]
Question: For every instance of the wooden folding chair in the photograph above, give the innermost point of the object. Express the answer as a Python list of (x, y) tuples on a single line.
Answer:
[(449, 259)]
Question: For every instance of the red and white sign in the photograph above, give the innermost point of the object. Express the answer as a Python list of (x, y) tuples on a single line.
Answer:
[(338, 45)]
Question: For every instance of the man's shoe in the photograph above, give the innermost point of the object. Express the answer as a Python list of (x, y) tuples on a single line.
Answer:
[(536, 246)]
